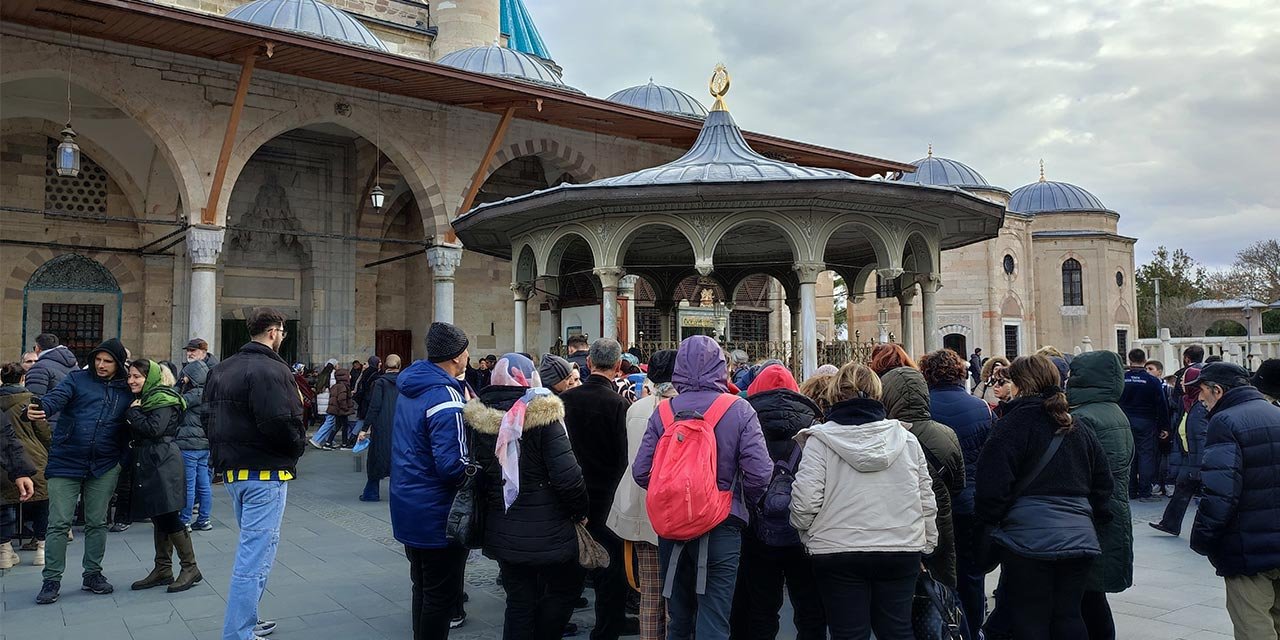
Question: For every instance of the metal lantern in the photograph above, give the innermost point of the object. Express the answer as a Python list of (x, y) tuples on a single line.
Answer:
[(68, 157), (376, 196)]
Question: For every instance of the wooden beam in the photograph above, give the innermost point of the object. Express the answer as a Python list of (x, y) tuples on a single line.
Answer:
[(209, 215), (478, 178)]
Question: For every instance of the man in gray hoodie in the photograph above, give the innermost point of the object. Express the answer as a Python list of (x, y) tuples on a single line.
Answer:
[(53, 363)]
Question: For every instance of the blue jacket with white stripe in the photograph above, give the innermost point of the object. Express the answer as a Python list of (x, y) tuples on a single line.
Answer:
[(429, 448)]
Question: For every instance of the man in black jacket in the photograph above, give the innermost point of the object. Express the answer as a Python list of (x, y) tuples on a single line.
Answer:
[(595, 415), (1238, 521), (256, 435), (1147, 408)]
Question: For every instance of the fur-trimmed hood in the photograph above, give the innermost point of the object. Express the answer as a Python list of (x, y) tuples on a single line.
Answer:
[(542, 411)]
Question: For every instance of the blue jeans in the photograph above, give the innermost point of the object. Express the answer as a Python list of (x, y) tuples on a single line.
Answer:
[(702, 615), (259, 507), (326, 429), (355, 429), (199, 485)]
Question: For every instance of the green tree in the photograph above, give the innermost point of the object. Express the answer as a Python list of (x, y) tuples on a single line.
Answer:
[(840, 300), (1255, 273), (1182, 280)]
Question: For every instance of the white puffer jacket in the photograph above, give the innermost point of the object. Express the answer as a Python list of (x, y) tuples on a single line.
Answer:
[(629, 518), (863, 488)]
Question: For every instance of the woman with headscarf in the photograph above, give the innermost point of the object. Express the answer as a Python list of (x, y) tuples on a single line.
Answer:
[(534, 493), (159, 479)]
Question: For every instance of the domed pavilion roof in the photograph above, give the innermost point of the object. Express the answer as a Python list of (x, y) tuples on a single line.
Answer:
[(1047, 196), (663, 99), (311, 17), (944, 172), (504, 62)]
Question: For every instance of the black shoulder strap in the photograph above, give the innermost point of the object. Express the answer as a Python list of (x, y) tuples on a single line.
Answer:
[(1049, 452)]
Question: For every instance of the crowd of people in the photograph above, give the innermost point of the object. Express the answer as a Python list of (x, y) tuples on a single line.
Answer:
[(691, 492)]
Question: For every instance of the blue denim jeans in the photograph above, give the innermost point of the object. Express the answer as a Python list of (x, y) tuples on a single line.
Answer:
[(259, 508), (355, 428), (326, 429), (703, 615), (199, 485)]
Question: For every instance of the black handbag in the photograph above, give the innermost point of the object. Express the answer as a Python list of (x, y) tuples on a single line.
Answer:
[(987, 552), (936, 613), (464, 526)]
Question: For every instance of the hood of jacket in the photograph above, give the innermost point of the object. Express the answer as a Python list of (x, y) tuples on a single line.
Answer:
[(772, 377), (700, 366), (12, 395), (197, 372), (343, 376), (905, 395), (116, 350), (1096, 376), (61, 355), (869, 447), (783, 413), (421, 376), (484, 414)]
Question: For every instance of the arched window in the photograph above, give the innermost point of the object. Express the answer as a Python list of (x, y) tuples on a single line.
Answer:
[(1072, 283)]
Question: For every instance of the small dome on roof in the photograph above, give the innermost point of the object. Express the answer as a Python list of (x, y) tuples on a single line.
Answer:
[(506, 63), (311, 17), (1047, 195), (943, 172), (656, 97)]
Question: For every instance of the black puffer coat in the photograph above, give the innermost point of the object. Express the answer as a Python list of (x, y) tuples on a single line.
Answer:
[(378, 422), (783, 413), (191, 434), (159, 475), (539, 527), (906, 397), (254, 413)]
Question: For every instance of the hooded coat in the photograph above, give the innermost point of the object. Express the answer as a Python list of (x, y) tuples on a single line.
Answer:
[(50, 368), (863, 485), (31, 437), (906, 398), (364, 385), (1093, 391), (378, 422), (90, 434), (191, 433), (159, 474), (429, 453), (539, 528), (971, 419), (700, 377), (341, 402)]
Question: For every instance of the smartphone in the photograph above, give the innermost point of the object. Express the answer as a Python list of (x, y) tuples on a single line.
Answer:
[(35, 402)]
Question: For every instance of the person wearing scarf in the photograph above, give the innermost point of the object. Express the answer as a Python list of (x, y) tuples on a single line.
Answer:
[(533, 495), (1192, 429), (160, 486)]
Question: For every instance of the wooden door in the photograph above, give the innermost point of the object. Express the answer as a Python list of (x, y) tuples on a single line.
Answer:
[(389, 341)]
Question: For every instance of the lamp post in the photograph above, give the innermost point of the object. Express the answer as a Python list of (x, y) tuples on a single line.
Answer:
[(883, 323), (1248, 336)]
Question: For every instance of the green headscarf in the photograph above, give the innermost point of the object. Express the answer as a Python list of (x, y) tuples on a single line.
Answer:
[(155, 395)]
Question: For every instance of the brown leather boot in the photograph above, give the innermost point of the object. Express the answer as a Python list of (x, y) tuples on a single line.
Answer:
[(190, 573), (162, 573)]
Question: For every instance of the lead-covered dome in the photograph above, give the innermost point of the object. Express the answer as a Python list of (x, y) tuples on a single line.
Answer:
[(1047, 196), (506, 63), (311, 17), (944, 172), (663, 99)]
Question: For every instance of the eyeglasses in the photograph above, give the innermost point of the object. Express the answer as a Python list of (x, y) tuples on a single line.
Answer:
[(281, 330), (1000, 383)]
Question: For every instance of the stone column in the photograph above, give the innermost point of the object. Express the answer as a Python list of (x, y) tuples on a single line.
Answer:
[(204, 245), (666, 309), (626, 299), (609, 277), (929, 286), (906, 303), (808, 276), (444, 260), (520, 292)]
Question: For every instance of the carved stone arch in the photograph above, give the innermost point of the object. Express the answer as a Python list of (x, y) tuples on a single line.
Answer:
[(555, 245), (1122, 315), (621, 237), (31, 61), (560, 155), (800, 248), (73, 272), (873, 230), (94, 273), (407, 158), (917, 240), (1011, 307), (524, 263)]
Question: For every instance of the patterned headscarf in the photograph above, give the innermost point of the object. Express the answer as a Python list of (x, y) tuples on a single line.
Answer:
[(514, 370)]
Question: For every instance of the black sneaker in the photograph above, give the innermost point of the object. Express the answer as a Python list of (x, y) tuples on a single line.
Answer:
[(119, 527), (48, 592), (96, 583), (458, 620), (582, 603), (570, 630), (1162, 529)]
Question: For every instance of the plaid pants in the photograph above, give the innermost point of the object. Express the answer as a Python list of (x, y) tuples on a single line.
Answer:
[(653, 609)]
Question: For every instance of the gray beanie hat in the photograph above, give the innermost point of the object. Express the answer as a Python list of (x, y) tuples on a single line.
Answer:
[(553, 370), (445, 342)]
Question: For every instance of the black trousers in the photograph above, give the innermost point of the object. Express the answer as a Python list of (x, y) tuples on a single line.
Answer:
[(122, 501), (970, 578), (168, 522), (610, 584), (1183, 491), (1044, 596), (540, 599), (757, 598), (1096, 612), (865, 592), (437, 589)]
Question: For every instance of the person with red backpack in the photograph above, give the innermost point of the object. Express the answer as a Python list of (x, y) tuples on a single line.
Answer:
[(771, 550), (703, 459)]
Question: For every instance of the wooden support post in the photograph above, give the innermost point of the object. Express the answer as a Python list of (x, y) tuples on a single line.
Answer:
[(209, 215), (478, 178)]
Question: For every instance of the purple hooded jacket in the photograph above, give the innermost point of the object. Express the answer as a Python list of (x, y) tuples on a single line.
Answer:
[(700, 377)]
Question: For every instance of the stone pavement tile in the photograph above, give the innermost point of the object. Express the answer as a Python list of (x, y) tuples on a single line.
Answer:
[(395, 626), (146, 614), (1209, 635), (348, 631), (288, 604), (106, 629), (1131, 628), (1200, 617), (1134, 609), (1156, 597), (175, 630), (200, 607), (196, 625)]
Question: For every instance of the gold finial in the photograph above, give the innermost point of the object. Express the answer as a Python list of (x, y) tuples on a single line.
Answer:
[(719, 87), (1041, 169), (930, 149)]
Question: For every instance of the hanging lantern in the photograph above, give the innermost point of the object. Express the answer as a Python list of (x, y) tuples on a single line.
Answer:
[(376, 196), (68, 157)]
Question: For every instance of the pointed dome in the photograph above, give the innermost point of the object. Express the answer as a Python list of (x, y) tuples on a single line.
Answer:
[(944, 172), (522, 34), (311, 17), (506, 63), (656, 97), (1048, 196)]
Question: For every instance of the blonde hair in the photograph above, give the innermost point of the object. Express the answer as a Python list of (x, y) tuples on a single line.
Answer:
[(854, 380), (1049, 351), (815, 389), (166, 376)]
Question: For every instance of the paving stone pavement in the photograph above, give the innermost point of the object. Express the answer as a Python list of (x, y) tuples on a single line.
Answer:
[(340, 574)]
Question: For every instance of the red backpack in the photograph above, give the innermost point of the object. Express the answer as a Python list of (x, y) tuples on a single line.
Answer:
[(683, 500)]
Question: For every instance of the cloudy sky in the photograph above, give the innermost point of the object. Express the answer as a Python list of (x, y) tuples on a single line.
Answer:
[(1169, 111)]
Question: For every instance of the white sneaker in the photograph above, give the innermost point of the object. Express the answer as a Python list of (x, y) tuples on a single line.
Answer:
[(38, 559), (264, 628), (7, 557)]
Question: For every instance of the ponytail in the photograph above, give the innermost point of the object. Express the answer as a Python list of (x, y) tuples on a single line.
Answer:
[(1055, 402), (1037, 376)]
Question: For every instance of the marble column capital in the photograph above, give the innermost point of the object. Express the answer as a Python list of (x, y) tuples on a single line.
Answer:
[(521, 291), (444, 260), (808, 272), (627, 285), (204, 245), (609, 276)]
